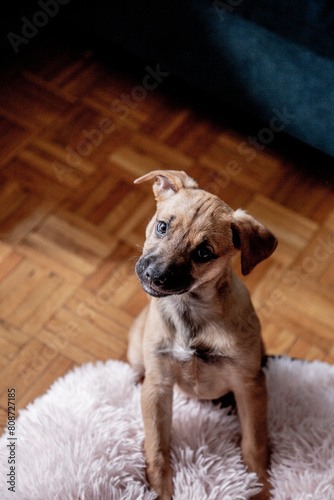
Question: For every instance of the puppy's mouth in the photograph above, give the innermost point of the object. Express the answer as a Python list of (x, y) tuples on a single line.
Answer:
[(159, 293)]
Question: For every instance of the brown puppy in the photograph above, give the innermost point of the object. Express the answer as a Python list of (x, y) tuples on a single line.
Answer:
[(200, 331)]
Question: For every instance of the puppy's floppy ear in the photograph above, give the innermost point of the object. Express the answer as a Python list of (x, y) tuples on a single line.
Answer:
[(254, 240), (167, 182)]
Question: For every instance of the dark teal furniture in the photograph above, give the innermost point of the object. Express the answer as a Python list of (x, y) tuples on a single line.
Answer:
[(268, 57)]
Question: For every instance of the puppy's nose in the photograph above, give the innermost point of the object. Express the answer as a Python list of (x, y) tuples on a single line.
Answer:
[(154, 276)]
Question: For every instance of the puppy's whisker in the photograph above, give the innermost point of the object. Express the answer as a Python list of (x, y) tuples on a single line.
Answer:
[(134, 257)]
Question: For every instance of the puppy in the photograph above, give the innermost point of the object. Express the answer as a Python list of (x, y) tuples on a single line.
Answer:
[(200, 331)]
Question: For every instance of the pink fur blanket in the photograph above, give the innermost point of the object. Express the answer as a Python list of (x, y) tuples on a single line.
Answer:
[(83, 440)]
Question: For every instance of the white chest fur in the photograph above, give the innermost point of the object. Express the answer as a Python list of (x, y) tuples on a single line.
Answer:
[(193, 331), (181, 353), (179, 348)]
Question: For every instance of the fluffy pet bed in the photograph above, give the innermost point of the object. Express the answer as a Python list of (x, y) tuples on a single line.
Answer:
[(83, 439)]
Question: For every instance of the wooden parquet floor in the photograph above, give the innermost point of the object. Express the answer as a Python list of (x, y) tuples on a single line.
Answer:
[(76, 130)]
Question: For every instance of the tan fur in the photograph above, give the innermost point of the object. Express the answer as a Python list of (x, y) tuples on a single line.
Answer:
[(199, 331)]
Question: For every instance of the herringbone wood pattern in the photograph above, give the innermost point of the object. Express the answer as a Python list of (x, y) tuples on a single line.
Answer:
[(75, 132)]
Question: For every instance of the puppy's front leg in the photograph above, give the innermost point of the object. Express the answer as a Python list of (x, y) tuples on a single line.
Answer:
[(157, 400), (251, 398)]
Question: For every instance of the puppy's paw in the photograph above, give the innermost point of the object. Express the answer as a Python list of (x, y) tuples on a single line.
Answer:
[(165, 495), (261, 496), (264, 494), (160, 478), (166, 491)]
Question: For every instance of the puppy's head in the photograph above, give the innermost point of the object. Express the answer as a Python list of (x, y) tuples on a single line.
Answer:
[(193, 235)]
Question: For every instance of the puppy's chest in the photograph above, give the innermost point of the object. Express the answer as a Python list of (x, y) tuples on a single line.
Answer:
[(194, 351), (194, 341)]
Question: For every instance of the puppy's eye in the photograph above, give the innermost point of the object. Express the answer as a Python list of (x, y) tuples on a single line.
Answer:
[(203, 254), (161, 228)]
